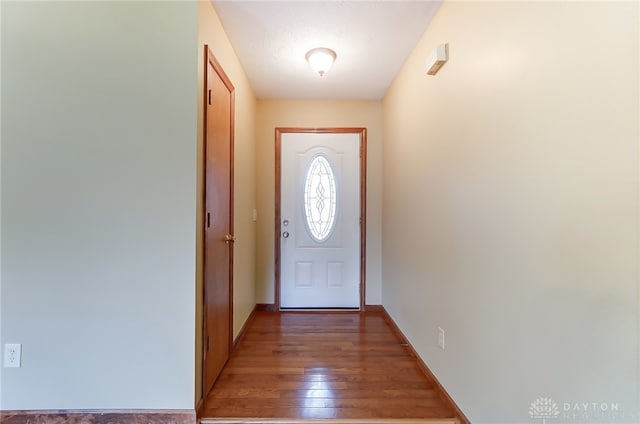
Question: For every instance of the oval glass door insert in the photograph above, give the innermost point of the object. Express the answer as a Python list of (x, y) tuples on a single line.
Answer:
[(320, 198)]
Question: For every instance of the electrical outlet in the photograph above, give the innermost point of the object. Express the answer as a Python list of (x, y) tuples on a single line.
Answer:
[(12, 355), (441, 338)]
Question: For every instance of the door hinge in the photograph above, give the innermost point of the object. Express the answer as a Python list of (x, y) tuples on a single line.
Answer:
[(209, 96), (208, 219)]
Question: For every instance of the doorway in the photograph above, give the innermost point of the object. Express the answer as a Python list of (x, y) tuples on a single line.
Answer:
[(320, 218), (218, 220)]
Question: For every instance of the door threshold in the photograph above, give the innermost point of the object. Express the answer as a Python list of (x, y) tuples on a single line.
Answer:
[(329, 421), (319, 309)]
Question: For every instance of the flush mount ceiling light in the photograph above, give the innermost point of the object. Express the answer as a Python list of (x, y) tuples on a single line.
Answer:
[(320, 59)]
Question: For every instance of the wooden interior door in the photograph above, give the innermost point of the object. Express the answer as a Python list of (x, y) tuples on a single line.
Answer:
[(218, 217)]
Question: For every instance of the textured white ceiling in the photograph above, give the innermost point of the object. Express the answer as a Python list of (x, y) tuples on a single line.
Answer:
[(372, 40)]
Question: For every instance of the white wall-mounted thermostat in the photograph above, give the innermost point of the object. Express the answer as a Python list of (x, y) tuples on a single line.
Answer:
[(437, 58)]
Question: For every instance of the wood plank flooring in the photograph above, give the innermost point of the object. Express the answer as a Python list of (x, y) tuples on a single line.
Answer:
[(312, 365)]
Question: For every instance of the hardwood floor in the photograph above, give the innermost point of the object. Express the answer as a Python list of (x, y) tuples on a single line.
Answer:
[(312, 365)]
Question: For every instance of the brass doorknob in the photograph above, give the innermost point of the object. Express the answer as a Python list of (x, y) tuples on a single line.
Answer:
[(229, 238)]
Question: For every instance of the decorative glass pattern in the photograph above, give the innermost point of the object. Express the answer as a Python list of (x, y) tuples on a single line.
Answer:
[(320, 198)]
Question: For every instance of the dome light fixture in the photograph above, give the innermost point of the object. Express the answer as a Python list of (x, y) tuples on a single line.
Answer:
[(320, 59)]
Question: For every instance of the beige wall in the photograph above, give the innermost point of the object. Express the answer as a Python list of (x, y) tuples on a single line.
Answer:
[(99, 204), (212, 33), (1, 369), (316, 113), (511, 205)]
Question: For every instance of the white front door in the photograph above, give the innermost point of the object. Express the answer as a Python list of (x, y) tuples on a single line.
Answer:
[(320, 220)]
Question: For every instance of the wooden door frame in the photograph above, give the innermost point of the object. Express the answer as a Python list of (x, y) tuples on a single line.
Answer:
[(363, 202), (209, 58)]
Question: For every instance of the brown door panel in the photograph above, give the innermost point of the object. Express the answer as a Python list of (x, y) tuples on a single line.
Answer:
[(218, 250)]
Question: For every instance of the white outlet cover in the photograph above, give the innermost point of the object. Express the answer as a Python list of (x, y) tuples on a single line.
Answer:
[(12, 355), (441, 338)]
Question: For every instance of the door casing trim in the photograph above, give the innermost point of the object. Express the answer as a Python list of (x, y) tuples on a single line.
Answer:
[(363, 202)]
